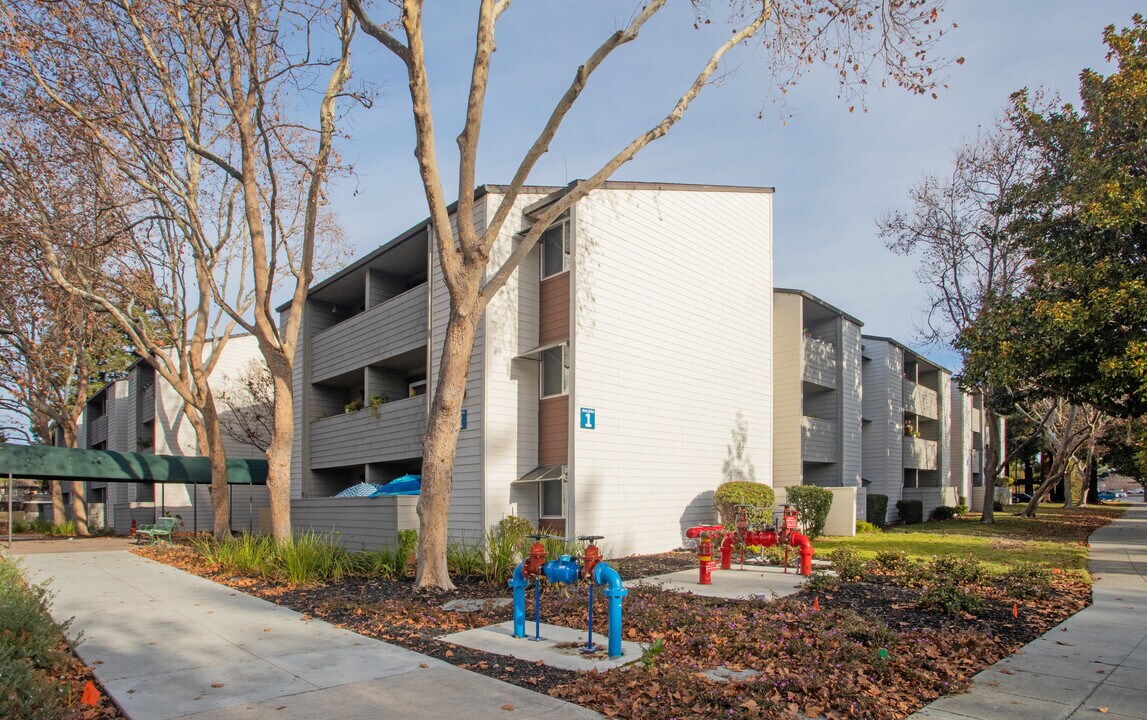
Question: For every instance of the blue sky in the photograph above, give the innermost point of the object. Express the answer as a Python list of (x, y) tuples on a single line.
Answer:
[(834, 172)]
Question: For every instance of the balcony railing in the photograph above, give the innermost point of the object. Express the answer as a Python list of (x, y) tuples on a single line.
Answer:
[(977, 420), (818, 439), (921, 454), (98, 430), (819, 362), (389, 432), (392, 328), (977, 461), (147, 403), (920, 400)]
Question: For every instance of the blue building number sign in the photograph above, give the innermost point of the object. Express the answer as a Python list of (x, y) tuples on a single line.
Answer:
[(588, 419)]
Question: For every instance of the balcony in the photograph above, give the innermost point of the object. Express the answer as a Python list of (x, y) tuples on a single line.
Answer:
[(819, 362), (392, 328), (977, 461), (921, 454), (98, 431), (390, 432), (818, 440), (920, 400), (977, 420)]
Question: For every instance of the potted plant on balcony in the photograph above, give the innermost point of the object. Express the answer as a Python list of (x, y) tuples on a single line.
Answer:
[(375, 402), (910, 430)]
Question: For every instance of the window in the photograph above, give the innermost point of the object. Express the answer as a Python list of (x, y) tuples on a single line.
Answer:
[(555, 242), (556, 370), (417, 388), (551, 498), (145, 492)]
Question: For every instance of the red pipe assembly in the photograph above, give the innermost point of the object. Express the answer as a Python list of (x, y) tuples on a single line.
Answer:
[(742, 536)]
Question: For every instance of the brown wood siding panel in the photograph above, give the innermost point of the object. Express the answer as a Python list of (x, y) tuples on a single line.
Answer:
[(554, 308), (553, 430)]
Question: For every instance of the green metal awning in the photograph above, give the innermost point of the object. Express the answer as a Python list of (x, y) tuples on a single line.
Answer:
[(44, 462)]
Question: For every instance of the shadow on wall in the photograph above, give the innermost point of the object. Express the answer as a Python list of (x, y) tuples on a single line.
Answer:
[(699, 511)]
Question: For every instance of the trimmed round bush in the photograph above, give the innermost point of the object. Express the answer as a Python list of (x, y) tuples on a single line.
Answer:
[(943, 512), (759, 497), (812, 504), (911, 511), (876, 508)]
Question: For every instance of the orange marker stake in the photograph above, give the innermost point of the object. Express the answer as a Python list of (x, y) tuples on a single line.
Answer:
[(91, 695), (816, 603), (1015, 610)]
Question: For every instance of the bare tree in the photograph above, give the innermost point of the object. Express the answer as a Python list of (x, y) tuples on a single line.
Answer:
[(192, 105), (858, 38), (1070, 429), (958, 228)]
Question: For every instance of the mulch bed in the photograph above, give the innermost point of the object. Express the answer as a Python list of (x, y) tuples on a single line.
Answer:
[(869, 651)]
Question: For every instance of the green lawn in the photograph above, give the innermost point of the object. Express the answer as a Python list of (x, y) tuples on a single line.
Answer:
[(1057, 538)]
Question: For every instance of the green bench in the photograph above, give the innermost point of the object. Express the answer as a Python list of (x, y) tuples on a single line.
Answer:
[(161, 530)]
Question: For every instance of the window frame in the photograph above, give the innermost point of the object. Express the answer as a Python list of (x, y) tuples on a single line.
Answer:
[(562, 224), (565, 386), (542, 496)]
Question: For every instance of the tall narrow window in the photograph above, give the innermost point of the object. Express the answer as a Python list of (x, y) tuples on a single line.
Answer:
[(556, 371), (552, 498), (555, 242)]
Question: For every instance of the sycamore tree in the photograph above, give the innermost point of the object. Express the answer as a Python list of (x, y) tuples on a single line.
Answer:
[(1078, 330), (958, 228), (860, 40), (217, 118)]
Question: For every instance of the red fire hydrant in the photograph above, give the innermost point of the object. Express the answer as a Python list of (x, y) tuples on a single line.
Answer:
[(705, 549)]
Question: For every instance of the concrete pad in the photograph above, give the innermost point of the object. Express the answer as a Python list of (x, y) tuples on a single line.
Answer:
[(1111, 653), (164, 696), (986, 704), (476, 604), (499, 639), (446, 692), (328, 668), (1120, 700), (1030, 684), (1070, 668), (1127, 677), (751, 583)]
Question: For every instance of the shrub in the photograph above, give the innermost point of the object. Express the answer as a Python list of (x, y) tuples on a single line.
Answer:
[(876, 508), (32, 673), (760, 499), (962, 506), (465, 559), (821, 581), (950, 599), (911, 511), (866, 528), (997, 506), (1027, 580), (962, 571), (943, 512), (812, 504), (847, 563), (892, 561)]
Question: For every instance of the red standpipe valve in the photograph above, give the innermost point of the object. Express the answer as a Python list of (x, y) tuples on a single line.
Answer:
[(532, 567)]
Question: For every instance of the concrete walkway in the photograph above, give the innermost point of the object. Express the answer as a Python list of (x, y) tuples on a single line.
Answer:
[(1092, 665), (166, 644)]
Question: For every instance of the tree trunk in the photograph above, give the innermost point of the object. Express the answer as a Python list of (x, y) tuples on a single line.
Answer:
[(439, 447), (217, 454), (1093, 484), (1067, 485), (1085, 479), (1058, 467), (59, 514), (279, 454), (988, 511), (79, 489)]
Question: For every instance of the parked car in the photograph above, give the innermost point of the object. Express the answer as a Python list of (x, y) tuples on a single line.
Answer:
[(1021, 497), (1135, 491), (1106, 495)]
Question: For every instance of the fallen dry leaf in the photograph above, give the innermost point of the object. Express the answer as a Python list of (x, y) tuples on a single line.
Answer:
[(1102, 709), (507, 707), (423, 665), (216, 685)]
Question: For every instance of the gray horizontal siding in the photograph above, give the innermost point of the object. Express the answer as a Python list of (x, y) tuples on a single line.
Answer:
[(361, 437), (98, 430), (920, 400), (396, 326), (356, 523), (820, 362), (932, 497), (920, 454), (818, 440)]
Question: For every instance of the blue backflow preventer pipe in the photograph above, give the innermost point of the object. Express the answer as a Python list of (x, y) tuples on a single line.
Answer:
[(565, 570)]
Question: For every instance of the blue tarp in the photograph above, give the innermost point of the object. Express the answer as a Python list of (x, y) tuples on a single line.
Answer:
[(405, 485)]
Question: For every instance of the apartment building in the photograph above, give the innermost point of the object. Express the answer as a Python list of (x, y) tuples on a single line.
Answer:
[(607, 380), (906, 433), (817, 392), (143, 413), (972, 462)]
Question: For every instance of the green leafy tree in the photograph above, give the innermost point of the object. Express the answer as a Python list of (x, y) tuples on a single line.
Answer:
[(1077, 328)]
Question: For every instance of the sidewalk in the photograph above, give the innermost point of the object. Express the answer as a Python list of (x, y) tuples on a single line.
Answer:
[(1090, 666), (166, 644)]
